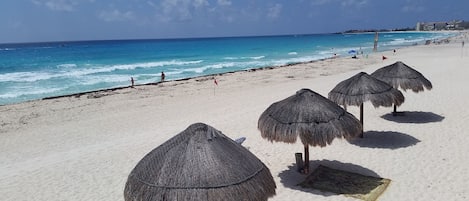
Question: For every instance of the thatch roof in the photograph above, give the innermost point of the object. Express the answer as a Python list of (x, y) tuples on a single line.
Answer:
[(361, 88), (399, 75), (200, 163), (312, 117)]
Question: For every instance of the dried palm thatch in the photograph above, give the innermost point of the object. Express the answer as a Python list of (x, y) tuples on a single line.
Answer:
[(399, 75), (316, 120), (200, 163), (361, 88)]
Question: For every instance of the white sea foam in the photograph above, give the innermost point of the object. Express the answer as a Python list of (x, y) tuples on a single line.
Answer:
[(25, 76), (281, 62), (93, 80), (67, 66), (145, 65), (402, 41), (230, 58), (243, 58), (7, 49), (326, 53), (72, 70), (202, 69), (196, 70), (221, 65), (152, 77), (256, 58), (292, 53), (29, 91)]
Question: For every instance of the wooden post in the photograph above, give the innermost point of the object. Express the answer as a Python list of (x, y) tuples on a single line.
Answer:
[(395, 110), (299, 161), (375, 47), (306, 168), (361, 118)]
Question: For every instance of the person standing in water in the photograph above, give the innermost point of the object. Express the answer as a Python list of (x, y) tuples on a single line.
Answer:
[(162, 76)]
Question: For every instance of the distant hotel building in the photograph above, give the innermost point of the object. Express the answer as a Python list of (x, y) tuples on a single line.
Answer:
[(438, 26)]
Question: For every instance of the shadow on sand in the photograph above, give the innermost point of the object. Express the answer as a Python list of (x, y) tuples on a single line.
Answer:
[(385, 140), (416, 117), (290, 178)]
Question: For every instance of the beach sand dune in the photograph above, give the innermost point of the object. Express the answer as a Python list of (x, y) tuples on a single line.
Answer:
[(83, 148)]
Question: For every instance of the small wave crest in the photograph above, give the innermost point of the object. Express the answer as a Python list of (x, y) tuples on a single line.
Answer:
[(66, 65), (25, 76), (7, 49), (257, 58), (402, 41), (109, 79), (145, 65), (244, 58), (204, 68), (73, 70), (28, 92)]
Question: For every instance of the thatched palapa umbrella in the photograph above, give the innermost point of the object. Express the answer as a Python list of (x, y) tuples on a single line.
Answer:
[(361, 88), (399, 75), (200, 163), (313, 118)]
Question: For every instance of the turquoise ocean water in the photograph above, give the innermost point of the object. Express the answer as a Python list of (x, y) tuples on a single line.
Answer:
[(31, 71)]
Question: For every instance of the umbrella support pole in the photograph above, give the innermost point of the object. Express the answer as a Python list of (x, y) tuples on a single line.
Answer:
[(361, 119), (306, 163), (396, 113)]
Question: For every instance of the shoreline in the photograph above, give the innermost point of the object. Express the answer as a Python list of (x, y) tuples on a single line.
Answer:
[(201, 77), (119, 87)]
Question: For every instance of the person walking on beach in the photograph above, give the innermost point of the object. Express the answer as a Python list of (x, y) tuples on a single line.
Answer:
[(462, 49), (132, 81), (162, 76)]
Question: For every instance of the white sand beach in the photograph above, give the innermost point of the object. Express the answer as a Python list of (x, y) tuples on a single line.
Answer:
[(83, 148)]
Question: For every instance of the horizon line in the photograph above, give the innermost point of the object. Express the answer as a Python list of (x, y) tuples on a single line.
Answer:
[(189, 38)]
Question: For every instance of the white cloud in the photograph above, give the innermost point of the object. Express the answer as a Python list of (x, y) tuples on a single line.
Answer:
[(57, 5), (200, 3), (224, 2), (274, 11), (175, 9), (356, 3), (116, 15), (15, 24), (413, 6), (320, 2), (150, 3), (179, 10), (344, 3)]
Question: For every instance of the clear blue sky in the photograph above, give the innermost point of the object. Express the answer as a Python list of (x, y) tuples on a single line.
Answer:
[(62, 20)]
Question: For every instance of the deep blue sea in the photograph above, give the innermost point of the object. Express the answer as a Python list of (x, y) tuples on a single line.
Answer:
[(31, 71)]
